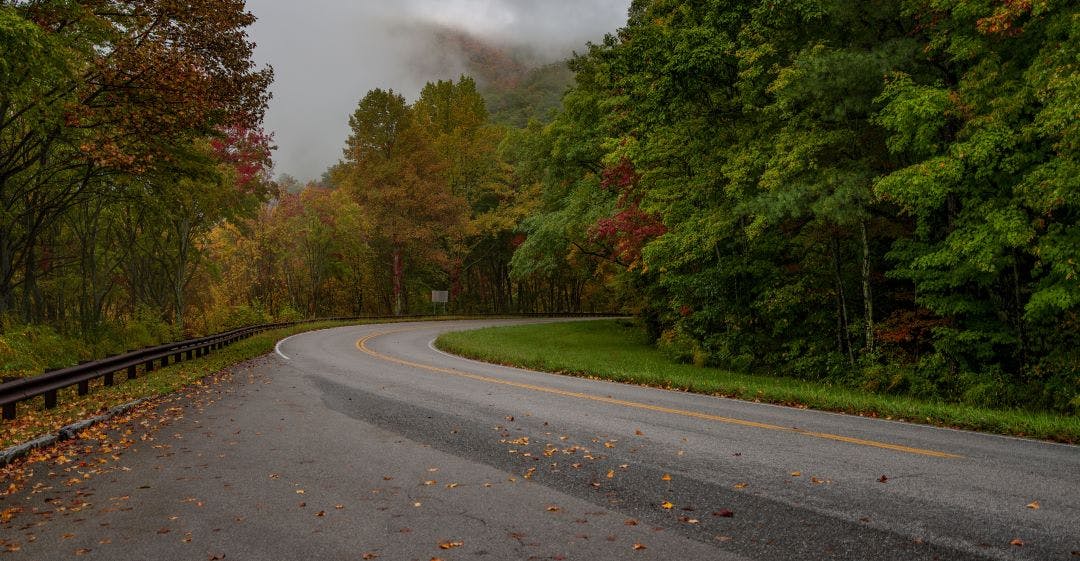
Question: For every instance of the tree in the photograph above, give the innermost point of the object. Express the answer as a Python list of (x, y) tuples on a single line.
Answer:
[(95, 90), (392, 169), (982, 124)]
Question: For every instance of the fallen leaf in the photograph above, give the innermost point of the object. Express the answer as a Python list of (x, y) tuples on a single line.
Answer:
[(163, 530), (796, 474), (883, 479), (1033, 505), (639, 433), (450, 545), (451, 485), (741, 485), (299, 491), (667, 505), (1017, 542), (725, 513), (610, 473), (640, 546), (321, 513), (553, 508), (430, 482), (630, 522), (82, 551), (665, 477), (369, 555), (339, 507)]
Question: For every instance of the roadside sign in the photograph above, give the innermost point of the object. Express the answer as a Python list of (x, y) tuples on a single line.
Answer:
[(440, 296)]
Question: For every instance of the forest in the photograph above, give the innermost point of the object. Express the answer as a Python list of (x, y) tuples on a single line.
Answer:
[(879, 194)]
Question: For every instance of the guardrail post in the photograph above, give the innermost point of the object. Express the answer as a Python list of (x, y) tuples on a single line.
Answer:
[(164, 361), (149, 366), (133, 372), (84, 387), (50, 399), (9, 411), (108, 379), (190, 354)]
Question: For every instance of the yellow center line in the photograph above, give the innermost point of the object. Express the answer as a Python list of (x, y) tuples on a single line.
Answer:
[(362, 345)]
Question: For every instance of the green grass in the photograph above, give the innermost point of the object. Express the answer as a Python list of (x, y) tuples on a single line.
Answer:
[(618, 350)]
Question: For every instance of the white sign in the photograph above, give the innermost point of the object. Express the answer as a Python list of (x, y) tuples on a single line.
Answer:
[(440, 296)]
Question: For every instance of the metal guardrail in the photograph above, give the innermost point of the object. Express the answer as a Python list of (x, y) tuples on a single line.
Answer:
[(50, 383)]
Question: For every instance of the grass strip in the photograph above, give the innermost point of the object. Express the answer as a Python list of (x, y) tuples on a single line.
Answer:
[(34, 420), (618, 350)]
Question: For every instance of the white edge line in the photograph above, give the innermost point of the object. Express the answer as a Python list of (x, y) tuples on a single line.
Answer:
[(431, 345), (277, 347)]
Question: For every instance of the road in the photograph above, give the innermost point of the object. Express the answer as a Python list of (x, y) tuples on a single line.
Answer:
[(367, 443)]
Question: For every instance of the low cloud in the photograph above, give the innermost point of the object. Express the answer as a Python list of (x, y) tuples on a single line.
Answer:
[(327, 54)]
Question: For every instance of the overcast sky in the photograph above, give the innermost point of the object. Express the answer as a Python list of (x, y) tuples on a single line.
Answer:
[(327, 54)]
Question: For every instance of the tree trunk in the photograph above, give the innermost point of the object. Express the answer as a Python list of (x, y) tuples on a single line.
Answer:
[(841, 301), (868, 300), (398, 273)]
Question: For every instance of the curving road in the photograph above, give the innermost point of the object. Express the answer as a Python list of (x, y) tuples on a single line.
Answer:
[(367, 443)]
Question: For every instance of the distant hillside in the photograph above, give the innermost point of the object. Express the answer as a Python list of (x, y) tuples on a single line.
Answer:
[(516, 83), (537, 95)]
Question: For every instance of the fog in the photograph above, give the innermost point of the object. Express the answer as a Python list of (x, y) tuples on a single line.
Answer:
[(327, 54)]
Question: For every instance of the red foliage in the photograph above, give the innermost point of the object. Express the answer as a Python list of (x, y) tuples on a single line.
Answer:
[(620, 178), (630, 229), (910, 331), (248, 151)]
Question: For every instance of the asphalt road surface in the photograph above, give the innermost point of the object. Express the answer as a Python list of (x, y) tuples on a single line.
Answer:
[(366, 443)]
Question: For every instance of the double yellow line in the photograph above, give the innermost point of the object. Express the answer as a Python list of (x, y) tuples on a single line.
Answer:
[(362, 345)]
